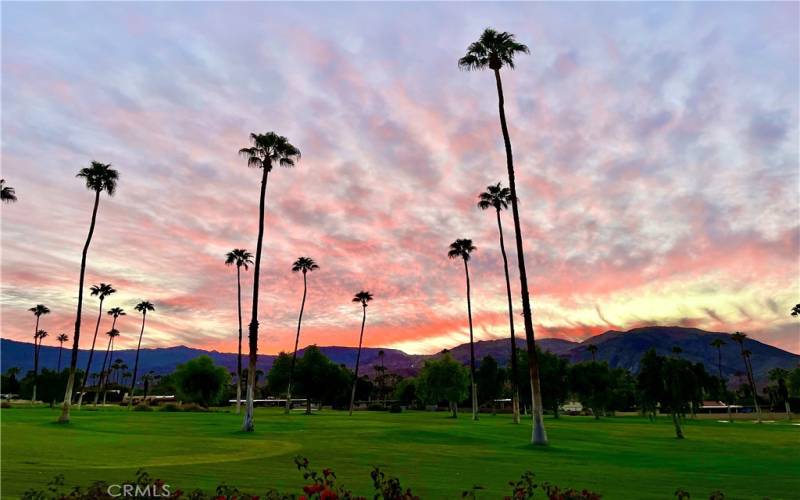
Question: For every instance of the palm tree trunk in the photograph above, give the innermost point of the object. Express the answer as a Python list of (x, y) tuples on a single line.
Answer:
[(64, 418), (752, 381), (296, 342), (358, 360), (35, 361), (110, 372), (239, 357), (514, 367), (136, 362), (722, 383), (247, 424), (103, 374), (473, 385), (60, 348), (538, 434), (91, 354)]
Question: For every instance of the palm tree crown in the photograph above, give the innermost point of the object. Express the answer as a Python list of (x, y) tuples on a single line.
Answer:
[(268, 149), (240, 257), (116, 312), (717, 343), (495, 196), (62, 338), (493, 50), (363, 297), (39, 310), (7, 193), (145, 306), (102, 290), (796, 310), (461, 248), (739, 337), (113, 333), (100, 177), (304, 264), (40, 335)]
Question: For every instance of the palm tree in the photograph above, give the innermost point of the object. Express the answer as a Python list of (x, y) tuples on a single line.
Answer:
[(362, 297), (592, 348), (462, 248), (102, 291), (37, 346), (104, 371), (61, 339), (739, 338), (494, 50), (7, 193), (115, 366), (303, 265), (498, 197), (242, 258), (38, 310), (717, 344), (796, 310), (267, 150), (142, 307), (99, 177)]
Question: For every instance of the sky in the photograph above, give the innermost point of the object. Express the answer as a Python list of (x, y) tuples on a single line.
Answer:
[(655, 145)]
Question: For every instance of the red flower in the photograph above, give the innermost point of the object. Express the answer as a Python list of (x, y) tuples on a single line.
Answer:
[(312, 488)]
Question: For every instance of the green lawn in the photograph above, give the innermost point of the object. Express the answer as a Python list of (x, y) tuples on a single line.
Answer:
[(438, 457)]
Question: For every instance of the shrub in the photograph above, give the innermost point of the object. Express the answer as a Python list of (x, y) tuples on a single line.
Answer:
[(193, 407), (142, 407), (376, 407), (5, 404), (171, 407), (395, 408)]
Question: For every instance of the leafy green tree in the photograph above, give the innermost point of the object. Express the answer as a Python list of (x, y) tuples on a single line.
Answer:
[(499, 197), (101, 291), (319, 378), (143, 307), (591, 382), (99, 177), (493, 50), (201, 381), (267, 150), (650, 383), (462, 249), (241, 258), (363, 297), (9, 384), (278, 375), (781, 390), (443, 379), (794, 382), (622, 390), (405, 391), (490, 378), (554, 373), (303, 265)]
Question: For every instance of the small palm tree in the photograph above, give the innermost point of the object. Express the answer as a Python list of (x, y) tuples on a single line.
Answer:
[(302, 265), (7, 193), (38, 310), (104, 371), (37, 346), (241, 258), (267, 151), (61, 339), (740, 338), (796, 310), (717, 344), (142, 307), (101, 291), (493, 50), (499, 197), (592, 349), (363, 298), (462, 249), (99, 177)]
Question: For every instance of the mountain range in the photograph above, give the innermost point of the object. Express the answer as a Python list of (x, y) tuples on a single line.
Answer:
[(619, 349)]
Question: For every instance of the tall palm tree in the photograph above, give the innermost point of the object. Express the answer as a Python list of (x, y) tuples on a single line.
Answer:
[(104, 371), (99, 177), (739, 338), (592, 348), (461, 249), (717, 344), (142, 307), (267, 150), (37, 346), (498, 197), (303, 265), (494, 50), (101, 291), (7, 193), (362, 297), (241, 258), (61, 339), (38, 310)]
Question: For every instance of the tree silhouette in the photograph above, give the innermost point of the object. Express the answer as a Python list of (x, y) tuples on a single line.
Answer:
[(592, 349), (142, 307), (37, 347), (61, 339), (717, 344), (104, 371), (493, 50), (303, 265), (102, 291), (499, 197), (99, 177), (739, 338), (796, 310), (363, 298), (267, 150), (7, 193), (241, 258), (461, 249), (38, 310)]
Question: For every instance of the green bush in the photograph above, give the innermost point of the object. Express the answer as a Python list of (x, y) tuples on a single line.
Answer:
[(142, 407), (376, 407), (171, 407), (193, 407), (201, 381), (395, 408)]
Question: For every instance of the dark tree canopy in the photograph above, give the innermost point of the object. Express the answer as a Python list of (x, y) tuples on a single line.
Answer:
[(201, 381)]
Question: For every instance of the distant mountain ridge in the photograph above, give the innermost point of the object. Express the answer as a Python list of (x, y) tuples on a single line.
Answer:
[(619, 349)]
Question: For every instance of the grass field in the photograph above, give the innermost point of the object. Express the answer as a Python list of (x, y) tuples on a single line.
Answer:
[(438, 457)]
